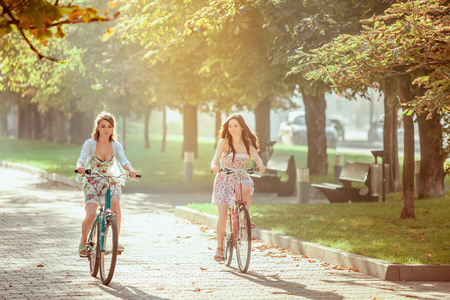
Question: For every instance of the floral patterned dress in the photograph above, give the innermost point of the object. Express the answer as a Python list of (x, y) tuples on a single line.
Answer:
[(94, 192), (225, 184)]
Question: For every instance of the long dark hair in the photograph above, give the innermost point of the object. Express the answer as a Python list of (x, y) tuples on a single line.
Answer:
[(248, 136)]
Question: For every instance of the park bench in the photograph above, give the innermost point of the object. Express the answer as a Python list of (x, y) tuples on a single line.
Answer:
[(352, 172), (270, 180)]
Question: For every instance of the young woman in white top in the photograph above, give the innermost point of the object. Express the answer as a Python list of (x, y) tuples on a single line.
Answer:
[(101, 153)]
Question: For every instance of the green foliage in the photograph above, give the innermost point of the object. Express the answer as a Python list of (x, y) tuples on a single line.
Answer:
[(369, 229), (408, 38), (43, 20)]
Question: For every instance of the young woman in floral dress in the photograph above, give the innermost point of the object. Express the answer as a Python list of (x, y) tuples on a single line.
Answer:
[(237, 143), (101, 153)]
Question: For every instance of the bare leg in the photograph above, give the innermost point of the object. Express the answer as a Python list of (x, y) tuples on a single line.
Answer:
[(246, 195), (91, 212), (115, 206), (221, 224)]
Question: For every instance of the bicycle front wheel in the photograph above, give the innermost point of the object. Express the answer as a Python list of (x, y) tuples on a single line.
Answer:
[(228, 243), (108, 255), (243, 239), (92, 243)]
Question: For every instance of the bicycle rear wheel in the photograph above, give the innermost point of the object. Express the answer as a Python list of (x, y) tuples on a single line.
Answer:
[(108, 256), (228, 243), (243, 239), (93, 249)]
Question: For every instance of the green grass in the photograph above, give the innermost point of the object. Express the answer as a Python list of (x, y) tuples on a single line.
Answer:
[(370, 229), (156, 167)]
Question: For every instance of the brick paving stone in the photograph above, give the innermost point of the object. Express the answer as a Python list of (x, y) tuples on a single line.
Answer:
[(165, 257)]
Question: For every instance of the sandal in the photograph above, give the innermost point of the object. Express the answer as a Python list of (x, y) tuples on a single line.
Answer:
[(219, 255), (120, 248), (83, 251)]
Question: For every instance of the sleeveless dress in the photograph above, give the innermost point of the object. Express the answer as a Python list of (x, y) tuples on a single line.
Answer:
[(225, 184), (95, 192)]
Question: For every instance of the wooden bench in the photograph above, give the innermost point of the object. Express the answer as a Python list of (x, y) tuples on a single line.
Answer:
[(352, 172), (270, 180)]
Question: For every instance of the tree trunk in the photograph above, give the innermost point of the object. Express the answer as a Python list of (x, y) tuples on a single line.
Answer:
[(148, 111), (50, 124), (317, 139), (4, 120), (218, 126), (80, 126), (61, 127), (404, 88), (262, 127), (164, 129), (432, 158), (23, 132), (37, 130), (390, 139), (190, 131), (124, 132)]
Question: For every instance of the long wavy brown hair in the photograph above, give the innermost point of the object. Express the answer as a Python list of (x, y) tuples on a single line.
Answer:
[(248, 136), (104, 115)]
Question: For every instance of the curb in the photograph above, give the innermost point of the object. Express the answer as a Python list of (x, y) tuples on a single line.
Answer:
[(48, 175), (129, 189), (370, 266)]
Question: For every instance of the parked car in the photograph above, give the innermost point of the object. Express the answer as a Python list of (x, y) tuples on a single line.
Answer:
[(375, 133), (293, 131), (338, 123)]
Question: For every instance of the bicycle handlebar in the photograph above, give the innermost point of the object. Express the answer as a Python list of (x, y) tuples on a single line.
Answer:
[(231, 170), (89, 172)]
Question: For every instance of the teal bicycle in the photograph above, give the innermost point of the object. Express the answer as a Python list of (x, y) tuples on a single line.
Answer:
[(103, 238)]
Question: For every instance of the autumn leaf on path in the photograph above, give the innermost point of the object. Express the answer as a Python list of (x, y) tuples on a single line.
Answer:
[(40, 266), (113, 4), (276, 275), (204, 269)]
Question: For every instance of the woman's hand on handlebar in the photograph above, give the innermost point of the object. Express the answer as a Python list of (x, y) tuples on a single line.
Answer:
[(261, 168), (133, 174), (81, 171), (215, 170)]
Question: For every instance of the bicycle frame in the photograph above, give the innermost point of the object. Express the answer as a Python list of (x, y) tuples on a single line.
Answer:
[(234, 209), (104, 214)]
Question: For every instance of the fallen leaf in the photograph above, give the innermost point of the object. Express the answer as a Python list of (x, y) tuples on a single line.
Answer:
[(201, 268), (113, 4), (276, 275), (40, 266)]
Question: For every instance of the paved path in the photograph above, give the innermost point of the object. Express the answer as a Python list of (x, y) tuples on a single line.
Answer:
[(165, 257)]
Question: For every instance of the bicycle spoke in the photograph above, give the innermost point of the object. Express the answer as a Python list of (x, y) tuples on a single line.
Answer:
[(93, 250), (228, 244), (243, 239), (109, 255)]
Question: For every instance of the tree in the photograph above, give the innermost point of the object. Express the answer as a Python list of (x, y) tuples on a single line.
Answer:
[(307, 25), (43, 20), (407, 40)]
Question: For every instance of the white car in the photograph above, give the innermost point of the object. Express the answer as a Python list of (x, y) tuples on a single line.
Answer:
[(293, 131)]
